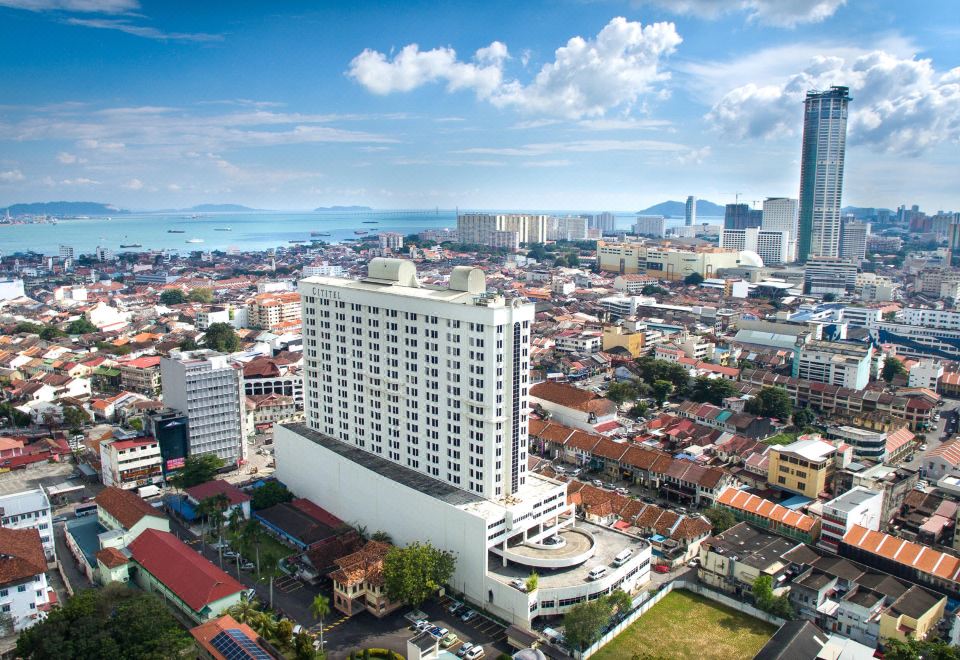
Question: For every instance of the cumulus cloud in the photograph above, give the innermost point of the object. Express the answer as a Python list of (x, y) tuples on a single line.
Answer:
[(779, 13), (134, 184), (587, 78), (80, 181), (901, 105), (11, 176), (66, 158)]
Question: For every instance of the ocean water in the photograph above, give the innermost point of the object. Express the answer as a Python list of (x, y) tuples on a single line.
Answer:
[(251, 231)]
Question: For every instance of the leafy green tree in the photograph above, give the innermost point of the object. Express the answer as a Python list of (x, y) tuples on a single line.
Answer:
[(620, 601), (638, 410), (652, 370), (584, 623), (303, 646), (26, 327), (914, 649), (721, 519), (81, 326), (135, 423), (771, 402), (892, 367), (537, 251), (197, 470), (188, 344), (653, 289), (693, 279), (765, 599), (560, 262), (661, 389), (51, 332), (270, 494), (382, 537), (533, 581), (15, 417), (113, 622), (804, 417), (221, 337), (173, 297), (75, 417), (413, 573), (711, 390), (829, 297), (620, 392), (283, 633), (201, 295)]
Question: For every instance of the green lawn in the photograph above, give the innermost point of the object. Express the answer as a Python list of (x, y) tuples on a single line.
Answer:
[(686, 625), (780, 439)]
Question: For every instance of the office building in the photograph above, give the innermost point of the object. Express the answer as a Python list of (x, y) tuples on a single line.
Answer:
[(649, 225), (953, 237), (324, 269), (834, 362), (690, 212), (209, 391), (853, 240), (30, 509), (821, 172), (858, 506), (130, 463), (671, 263), (931, 318), (829, 275), (417, 397), (772, 246), (741, 216), (781, 214), (478, 228), (67, 252), (390, 240), (803, 467)]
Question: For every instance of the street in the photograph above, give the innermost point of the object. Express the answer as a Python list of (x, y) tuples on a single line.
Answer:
[(946, 428)]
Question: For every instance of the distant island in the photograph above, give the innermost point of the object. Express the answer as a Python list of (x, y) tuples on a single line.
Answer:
[(672, 208), (220, 208), (63, 208), (341, 209)]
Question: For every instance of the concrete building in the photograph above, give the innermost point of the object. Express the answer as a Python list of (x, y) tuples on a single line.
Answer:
[(567, 228), (208, 390), (829, 275), (424, 412), (650, 225), (860, 317), (606, 222), (390, 240), (67, 252), (690, 212), (780, 214), (24, 595), (803, 467), (732, 560), (323, 270), (741, 216), (130, 463), (618, 336), (141, 375), (671, 263), (773, 246), (853, 240), (925, 373), (836, 363), (10, 289), (931, 318), (917, 341), (821, 173), (276, 312), (478, 228), (30, 509), (858, 506)]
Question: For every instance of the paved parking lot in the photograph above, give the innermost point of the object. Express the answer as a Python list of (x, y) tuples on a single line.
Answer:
[(33, 476)]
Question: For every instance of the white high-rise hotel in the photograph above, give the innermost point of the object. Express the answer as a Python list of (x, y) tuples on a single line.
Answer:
[(780, 214), (417, 404)]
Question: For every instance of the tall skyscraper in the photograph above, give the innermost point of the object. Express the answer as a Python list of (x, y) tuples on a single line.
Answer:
[(821, 172), (209, 391), (741, 216), (780, 214), (853, 240), (606, 222), (479, 228), (690, 217)]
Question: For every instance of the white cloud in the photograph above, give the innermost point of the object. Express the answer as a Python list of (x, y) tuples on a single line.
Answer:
[(134, 184), (694, 156), (80, 181), (900, 105), (80, 6), (579, 146), (145, 31), (412, 68), (100, 145), (67, 158), (11, 176), (557, 162), (587, 78), (173, 187), (780, 13)]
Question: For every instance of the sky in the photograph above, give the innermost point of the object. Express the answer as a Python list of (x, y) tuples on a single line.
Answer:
[(570, 104)]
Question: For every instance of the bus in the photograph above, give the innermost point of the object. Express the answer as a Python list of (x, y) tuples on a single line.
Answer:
[(85, 509)]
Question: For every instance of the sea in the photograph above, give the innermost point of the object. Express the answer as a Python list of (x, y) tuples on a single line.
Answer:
[(245, 232)]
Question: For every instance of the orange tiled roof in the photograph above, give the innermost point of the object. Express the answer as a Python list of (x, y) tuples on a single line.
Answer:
[(920, 557), (744, 501)]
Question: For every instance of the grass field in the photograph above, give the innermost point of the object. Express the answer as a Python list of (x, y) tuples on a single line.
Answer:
[(780, 439), (685, 625)]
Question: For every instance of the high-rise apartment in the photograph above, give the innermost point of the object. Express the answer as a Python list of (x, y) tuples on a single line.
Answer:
[(780, 214), (853, 240), (772, 245), (567, 228), (649, 225), (67, 252), (606, 222), (478, 228), (741, 216), (202, 385), (690, 211), (821, 172)]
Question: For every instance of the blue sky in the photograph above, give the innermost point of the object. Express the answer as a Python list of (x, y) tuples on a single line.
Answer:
[(572, 105)]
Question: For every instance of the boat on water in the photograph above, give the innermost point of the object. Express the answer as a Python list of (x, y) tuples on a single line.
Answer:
[(176, 231), (131, 245), (194, 240), (371, 222), (222, 229), (360, 231), (298, 240), (320, 233)]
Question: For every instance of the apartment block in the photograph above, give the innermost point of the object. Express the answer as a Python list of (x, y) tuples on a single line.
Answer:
[(829, 275), (478, 228), (130, 463), (276, 312), (30, 509), (23, 582), (803, 467), (858, 506), (649, 225), (781, 214), (836, 363)]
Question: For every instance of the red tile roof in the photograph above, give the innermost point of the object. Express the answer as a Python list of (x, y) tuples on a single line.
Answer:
[(112, 558), (181, 569), (744, 501), (317, 513), (21, 555), (202, 491), (205, 632), (126, 506), (920, 557)]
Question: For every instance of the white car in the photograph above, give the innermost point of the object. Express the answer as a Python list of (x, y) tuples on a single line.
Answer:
[(474, 653), (518, 584), (597, 483)]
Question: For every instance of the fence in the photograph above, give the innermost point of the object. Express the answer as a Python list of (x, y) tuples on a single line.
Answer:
[(644, 602)]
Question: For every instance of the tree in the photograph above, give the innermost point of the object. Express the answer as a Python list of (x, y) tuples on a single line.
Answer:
[(173, 297), (620, 392), (283, 632), (51, 332), (638, 410), (765, 599), (661, 390), (244, 611), (413, 573), (620, 601), (533, 581), (693, 279), (270, 494), (914, 649), (711, 390), (221, 337), (652, 370), (653, 289), (892, 367), (584, 623), (197, 470), (720, 519), (13, 416), (803, 418), (81, 326), (75, 417), (114, 622), (771, 402), (135, 423), (319, 608), (201, 295), (303, 646), (212, 508), (188, 344), (382, 537)]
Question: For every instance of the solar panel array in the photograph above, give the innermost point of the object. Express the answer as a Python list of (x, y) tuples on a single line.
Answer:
[(232, 644)]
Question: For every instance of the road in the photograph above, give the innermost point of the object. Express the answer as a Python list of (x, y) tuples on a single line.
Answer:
[(947, 427)]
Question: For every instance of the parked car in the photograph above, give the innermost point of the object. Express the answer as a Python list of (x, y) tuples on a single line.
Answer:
[(468, 616), (693, 563), (661, 568), (923, 447), (518, 584), (609, 486), (475, 653), (438, 632), (247, 566), (464, 649), (454, 606), (597, 483), (575, 472), (552, 540), (231, 554), (449, 640), (297, 629), (622, 491), (421, 624), (648, 500)]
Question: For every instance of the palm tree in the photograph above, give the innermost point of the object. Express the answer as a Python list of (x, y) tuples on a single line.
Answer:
[(319, 608), (245, 611), (270, 565), (382, 537), (251, 533), (264, 624)]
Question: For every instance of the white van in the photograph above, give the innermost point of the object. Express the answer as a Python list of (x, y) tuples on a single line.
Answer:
[(623, 557), (597, 573)]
